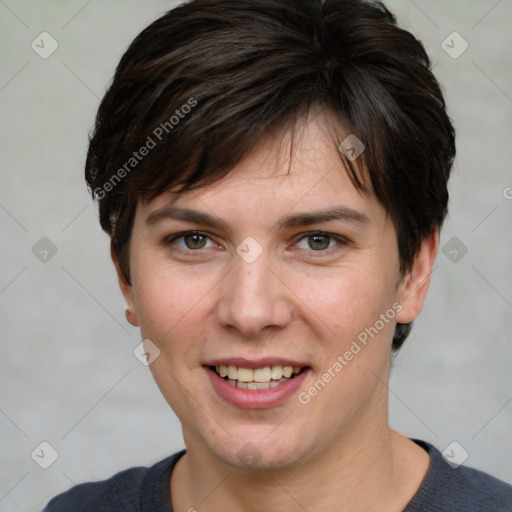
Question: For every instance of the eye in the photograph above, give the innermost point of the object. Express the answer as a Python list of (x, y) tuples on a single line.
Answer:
[(191, 240), (319, 241)]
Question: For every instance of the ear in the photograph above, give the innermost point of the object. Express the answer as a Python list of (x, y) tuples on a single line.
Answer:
[(126, 289), (415, 283)]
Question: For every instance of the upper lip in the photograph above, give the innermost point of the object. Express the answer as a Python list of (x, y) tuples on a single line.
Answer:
[(242, 362)]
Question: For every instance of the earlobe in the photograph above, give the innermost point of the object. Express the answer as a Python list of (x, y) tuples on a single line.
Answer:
[(126, 289), (131, 316), (414, 286)]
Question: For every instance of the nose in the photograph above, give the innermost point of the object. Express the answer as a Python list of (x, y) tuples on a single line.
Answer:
[(253, 298)]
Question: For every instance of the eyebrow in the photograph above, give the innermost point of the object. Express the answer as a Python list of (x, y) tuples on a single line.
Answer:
[(187, 215), (326, 215), (290, 221)]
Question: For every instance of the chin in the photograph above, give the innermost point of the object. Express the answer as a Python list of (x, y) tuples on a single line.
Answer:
[(256, 449)]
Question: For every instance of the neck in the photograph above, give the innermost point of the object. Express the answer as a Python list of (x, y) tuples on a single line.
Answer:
[(386, 469)]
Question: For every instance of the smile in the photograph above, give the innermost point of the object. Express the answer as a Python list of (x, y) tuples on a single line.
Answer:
[(256, 384), (256, 378)]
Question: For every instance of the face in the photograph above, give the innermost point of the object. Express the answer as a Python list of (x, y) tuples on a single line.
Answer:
[(270, 300)]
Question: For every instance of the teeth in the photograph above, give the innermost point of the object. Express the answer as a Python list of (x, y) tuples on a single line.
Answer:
[(245, 374), (287, 371), (257, 385), (232, 372), (265, 375), (262, 374), (277, 372)]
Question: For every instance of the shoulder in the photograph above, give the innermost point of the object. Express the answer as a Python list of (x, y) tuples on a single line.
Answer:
[(119, 490), (461, 488), (125, 491)]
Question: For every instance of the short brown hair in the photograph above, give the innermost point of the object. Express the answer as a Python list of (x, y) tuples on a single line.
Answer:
[(205, 83)]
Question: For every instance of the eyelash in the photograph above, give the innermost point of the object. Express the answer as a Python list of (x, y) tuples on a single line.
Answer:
[(340, 241)]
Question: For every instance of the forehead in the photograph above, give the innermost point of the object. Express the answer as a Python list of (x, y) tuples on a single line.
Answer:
[(300, 169)]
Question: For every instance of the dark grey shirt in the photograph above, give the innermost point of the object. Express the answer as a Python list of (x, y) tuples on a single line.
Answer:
[(444, 489)]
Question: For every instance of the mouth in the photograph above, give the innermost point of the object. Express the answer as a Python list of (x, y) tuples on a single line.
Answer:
[(262, 378), (256, 383)]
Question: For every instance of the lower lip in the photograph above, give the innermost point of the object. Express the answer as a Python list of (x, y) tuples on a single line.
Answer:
[(255, 398)]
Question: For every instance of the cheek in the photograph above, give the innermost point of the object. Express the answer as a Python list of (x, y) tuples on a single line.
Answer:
[(171, 306), (347, 300)]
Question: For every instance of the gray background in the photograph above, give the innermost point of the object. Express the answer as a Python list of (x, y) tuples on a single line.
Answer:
[(68, 374)]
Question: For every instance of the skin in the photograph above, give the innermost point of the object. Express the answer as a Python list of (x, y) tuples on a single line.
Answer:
[(197, 304)]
